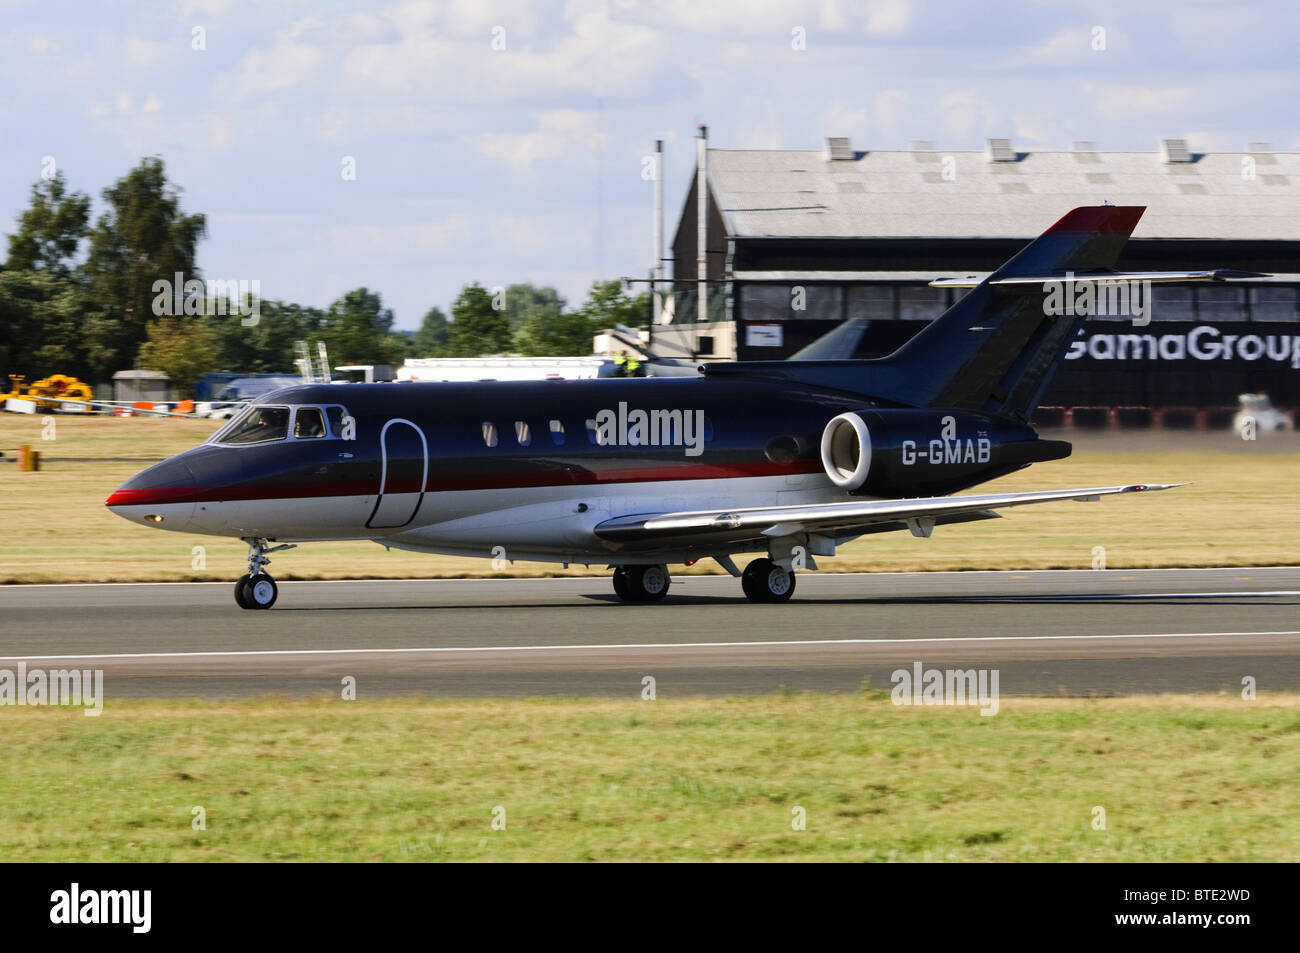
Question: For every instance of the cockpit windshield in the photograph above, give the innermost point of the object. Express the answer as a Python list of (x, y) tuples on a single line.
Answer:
[(268, 424), (258, 425)]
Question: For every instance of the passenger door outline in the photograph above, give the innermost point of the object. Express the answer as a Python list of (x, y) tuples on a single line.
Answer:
[(396, 506)]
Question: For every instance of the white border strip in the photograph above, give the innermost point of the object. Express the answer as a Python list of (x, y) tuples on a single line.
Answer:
[(637, 646)]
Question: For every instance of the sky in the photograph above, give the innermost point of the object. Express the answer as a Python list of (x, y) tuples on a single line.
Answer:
[(500, 141)]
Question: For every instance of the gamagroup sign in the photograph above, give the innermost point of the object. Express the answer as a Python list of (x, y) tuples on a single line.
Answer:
[(1185, 363)]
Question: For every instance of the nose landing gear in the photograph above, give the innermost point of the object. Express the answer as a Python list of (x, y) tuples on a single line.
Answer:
[(256, 589)]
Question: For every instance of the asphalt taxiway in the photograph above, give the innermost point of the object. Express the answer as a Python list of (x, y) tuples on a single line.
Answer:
[(1067, 632)]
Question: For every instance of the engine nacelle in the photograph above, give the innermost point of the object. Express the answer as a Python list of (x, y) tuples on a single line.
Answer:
[(927, 452)]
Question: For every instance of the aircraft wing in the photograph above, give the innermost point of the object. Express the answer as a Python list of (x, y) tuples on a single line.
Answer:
[(920, 515)]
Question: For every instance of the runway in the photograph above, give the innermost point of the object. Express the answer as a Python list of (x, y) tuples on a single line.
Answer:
[(1057, 632)]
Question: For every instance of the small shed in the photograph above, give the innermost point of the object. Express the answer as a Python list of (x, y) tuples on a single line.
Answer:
[(132, 386)]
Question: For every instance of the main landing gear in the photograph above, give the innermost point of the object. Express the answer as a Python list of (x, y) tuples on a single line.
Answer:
[(764, 580), (641, 583), (256, 589)]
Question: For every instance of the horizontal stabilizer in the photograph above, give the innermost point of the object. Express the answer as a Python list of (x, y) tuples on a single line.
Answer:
[(1156, 277)]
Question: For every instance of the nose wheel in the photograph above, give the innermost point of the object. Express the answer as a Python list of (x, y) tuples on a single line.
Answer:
[(256, 589)]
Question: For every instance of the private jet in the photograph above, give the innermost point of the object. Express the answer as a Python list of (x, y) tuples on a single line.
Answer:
[(784, 459)]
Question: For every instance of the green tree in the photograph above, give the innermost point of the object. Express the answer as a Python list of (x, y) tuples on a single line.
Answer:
[(143, 237), (477, 327), (266, 347), (358, 329), (183, 348), (41, 331), (525, 301), (608, 304), (432, 338), (558, 335), (50, 229)]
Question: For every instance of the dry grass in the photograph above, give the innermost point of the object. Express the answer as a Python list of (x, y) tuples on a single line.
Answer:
[(1241, 511)]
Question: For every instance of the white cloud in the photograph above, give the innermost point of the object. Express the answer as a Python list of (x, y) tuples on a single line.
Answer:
[(964, 114), (889, 106), (762, 135), (1134, 101), (220, 129), (559, 132), (399, 239), (887, 17), (39, 44), (140, 53), (523, 234), (288, 62), (845, 119), (211, 8)]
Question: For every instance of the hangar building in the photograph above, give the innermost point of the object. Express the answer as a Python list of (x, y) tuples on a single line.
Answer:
[(850, 233)]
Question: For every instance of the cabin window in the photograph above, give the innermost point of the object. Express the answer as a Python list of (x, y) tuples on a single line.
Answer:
[(489, 433), (259, 425), (557, 433), (523, 433), (308, 423)]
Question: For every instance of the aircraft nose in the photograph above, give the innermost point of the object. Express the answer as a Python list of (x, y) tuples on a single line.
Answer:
[(163, 495)]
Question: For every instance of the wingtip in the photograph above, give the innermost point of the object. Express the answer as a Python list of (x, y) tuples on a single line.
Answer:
[(1143, 487)]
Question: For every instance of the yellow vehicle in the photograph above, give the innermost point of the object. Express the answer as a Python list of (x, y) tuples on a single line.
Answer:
[(53, 393)]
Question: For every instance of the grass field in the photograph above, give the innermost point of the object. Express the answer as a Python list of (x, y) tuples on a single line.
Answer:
[(1179, 779), (1241, 511)]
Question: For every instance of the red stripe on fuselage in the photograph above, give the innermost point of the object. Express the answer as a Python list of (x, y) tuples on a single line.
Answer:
[(478, 481)]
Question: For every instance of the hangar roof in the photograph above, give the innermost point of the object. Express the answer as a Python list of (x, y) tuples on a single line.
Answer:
[(803, 193)]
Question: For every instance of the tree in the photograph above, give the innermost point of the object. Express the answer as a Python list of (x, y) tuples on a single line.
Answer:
[(477, 328), (267, 346), (525, 301), (183, 348), (432, 338), (560, 335), (50, 229), (607, 304), (41, 329), (358, 329), (143, 237)]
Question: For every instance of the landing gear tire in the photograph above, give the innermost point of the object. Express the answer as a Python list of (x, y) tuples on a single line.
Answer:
[(260, 592), (256, 589), (241, 592), (641, 583), (765, 581)]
